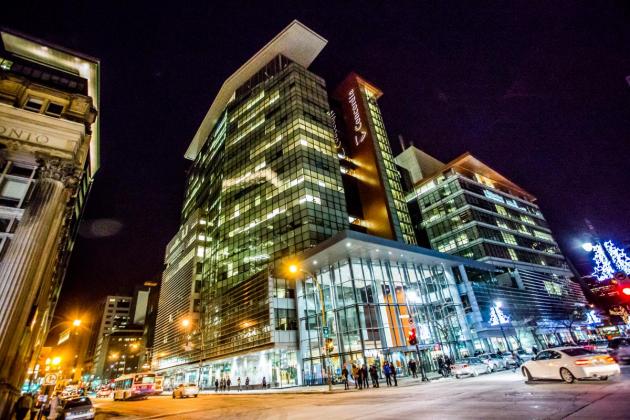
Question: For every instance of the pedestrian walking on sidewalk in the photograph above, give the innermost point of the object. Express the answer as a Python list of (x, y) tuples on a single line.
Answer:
[(387, 370), (228, 383), (344, 375), (264, 383), (374, 375), (247, 383), (394, 374), (364, 376), (23, 405), (216, 385), (222, 384), (238, 381), (355, 375), (413, 367)]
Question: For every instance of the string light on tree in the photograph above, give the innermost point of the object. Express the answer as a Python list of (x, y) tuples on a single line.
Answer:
[(608, 259), (603, 267), (618, 256)]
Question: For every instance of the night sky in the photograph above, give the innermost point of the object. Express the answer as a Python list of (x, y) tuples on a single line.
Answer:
[(536, 90)]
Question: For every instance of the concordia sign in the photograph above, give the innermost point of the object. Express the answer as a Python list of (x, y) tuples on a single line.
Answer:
[(360, 132)]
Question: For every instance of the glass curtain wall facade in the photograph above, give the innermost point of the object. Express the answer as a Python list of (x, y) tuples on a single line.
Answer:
[(468, 209), (280, 194), (370, 303), (465, 214)]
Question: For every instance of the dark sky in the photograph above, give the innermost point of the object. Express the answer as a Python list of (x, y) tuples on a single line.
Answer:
[(535, 89)]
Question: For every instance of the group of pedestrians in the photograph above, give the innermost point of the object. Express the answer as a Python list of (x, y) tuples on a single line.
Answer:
[(362, 375), (225, 384)]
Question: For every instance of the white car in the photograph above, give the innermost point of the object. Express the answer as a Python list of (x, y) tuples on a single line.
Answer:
[(188, 390), (469, 366), (569, 364), (495, 362)]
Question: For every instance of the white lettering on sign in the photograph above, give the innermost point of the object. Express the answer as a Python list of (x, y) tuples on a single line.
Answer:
[(333, 119), (18, 134), (360, 132)]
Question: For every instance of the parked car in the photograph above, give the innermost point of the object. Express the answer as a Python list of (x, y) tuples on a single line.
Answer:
[(525, 356), (469, 366), (597, 346), (188, 390), (499, 360), (508, 359), (104, 392), (77, 408), (569, 364), (495, 364), (619, 349)]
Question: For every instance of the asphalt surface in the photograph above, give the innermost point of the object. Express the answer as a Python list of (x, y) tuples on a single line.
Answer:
[(494, 396)]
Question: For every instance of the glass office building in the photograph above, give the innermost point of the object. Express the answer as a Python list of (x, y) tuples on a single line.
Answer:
[(466, 208), (267, 177)]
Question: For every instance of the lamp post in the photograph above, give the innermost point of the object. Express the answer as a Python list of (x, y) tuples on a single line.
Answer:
[(293, 268)]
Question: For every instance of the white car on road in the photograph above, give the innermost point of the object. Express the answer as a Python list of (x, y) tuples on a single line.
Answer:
[(569, 364), (469, 366), (495, 361), (188, 390)]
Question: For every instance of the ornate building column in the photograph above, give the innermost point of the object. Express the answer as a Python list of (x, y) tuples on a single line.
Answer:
[(33, 248)]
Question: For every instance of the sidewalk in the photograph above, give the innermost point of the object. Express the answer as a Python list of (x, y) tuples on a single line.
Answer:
[(317, 389)]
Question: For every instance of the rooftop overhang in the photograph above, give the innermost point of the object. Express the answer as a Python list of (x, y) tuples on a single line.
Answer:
[(296, 42), (468, 162), (66, 60), (349, 243)]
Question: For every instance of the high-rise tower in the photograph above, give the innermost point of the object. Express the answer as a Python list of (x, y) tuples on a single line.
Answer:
[(267, 176)]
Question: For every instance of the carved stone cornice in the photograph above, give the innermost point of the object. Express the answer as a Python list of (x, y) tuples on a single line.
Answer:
[(59, 170)]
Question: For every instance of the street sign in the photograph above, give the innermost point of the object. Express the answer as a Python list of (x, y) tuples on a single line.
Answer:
[(325, 332), (50, 379)]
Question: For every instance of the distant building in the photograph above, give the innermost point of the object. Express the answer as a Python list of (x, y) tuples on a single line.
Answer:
[(49, 136), (123, 354), (180, 295), (115, 314), (468, 209), (150, 319)]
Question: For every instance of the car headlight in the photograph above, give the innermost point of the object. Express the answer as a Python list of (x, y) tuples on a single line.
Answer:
[(92, 410)]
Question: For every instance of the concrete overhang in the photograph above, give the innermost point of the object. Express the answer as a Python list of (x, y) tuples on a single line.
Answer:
[(355, 244), (296, 42)]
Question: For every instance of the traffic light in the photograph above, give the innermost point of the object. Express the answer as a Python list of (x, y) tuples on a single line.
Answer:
[(413, 340), (330, 345), (624, 290)]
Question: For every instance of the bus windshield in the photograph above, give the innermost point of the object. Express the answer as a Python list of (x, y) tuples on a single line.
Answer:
[(144, 379)]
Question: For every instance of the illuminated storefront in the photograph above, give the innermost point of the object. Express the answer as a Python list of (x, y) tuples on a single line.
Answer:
[(375, 290)]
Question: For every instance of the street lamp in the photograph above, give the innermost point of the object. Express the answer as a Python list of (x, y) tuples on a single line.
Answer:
[(294, 269), (76, 323)]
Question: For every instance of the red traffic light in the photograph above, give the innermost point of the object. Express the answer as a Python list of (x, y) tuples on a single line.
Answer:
[(412, 337)]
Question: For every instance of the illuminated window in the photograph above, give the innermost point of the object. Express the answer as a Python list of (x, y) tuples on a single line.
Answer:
[(513, 255), (34, 104), (501, 210)]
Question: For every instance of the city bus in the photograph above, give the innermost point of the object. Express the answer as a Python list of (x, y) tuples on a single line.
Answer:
[(137, 385)]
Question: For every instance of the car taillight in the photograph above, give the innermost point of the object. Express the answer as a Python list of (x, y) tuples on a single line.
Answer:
[(582, 362), (609, 359)]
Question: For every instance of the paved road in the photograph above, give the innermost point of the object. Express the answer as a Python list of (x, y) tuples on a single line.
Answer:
[(494, 396)]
